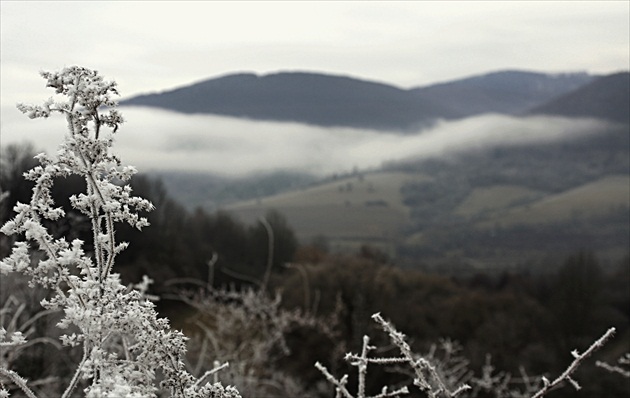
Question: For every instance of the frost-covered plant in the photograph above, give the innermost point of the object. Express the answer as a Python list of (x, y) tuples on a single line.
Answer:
[(447, 375), (126, 347), (503, 385), (247, 328), (622, 367), (427, 377), (578, 358), (14, 333)]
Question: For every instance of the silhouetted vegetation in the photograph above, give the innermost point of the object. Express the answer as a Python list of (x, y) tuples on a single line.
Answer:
[(519, 317)]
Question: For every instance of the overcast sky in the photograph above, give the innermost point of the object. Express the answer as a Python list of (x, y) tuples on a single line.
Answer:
[(150, 46)]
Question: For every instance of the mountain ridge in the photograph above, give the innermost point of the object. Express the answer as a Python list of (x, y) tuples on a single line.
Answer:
[(506, 92), (605, 98), (337, 100)]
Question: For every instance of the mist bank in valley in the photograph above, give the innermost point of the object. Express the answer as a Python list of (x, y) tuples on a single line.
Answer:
[(157, 140), (209, 161), (161, 141)]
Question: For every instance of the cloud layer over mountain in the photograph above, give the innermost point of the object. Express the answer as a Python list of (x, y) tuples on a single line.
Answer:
[(159, 140)]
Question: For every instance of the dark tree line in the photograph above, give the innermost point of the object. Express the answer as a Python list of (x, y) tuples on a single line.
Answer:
[(178, 244)]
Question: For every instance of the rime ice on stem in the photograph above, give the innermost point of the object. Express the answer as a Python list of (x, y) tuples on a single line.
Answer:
[(427, 378), (622, 368), (439, 379), (578, 359), (124, 342)]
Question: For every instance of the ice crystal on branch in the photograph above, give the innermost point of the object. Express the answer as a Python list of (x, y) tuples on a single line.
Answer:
[(448, 376), (125, 345), (622, 368)]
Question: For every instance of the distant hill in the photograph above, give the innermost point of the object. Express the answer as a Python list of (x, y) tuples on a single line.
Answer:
[(505, 92), (328, 100), (494, 209), (298, 97), (605, 98)]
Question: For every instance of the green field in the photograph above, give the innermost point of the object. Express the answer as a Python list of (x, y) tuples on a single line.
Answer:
[(590, 200), (348, 211), (495, 198), (369, 209)]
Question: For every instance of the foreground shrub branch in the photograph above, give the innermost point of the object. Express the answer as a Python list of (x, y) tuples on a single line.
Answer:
[(622, 367), (566, 376), (445, 378)]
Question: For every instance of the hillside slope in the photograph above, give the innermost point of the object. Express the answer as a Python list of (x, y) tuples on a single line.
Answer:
[(591, 200), (493, 208), (347, 211)]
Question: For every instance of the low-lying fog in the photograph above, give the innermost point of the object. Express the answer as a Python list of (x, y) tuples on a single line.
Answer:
[(153, 139)]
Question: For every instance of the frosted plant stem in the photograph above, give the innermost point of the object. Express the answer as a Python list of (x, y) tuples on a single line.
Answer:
[(92, 297), (579, 358), (211, 372), (363, 367), (625, 360), (77, 374), (340, 384), (427, 378), (19, 381)]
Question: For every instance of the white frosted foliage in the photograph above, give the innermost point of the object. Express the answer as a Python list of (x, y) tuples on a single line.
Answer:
[(125, 345)]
